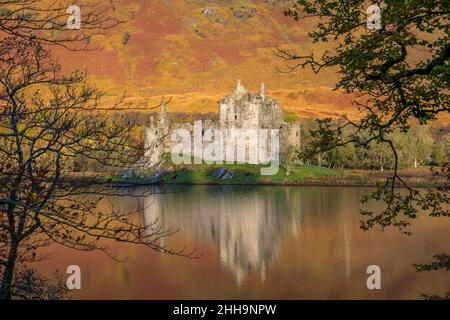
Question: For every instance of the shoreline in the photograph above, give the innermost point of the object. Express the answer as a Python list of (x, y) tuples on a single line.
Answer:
[(344, 179)]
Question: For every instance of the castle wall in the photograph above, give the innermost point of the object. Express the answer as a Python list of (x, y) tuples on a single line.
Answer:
[(240, 110), (293, 134), (154, 145)]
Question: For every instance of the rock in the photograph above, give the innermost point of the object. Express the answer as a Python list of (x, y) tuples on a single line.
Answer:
[(244, 13), (223, 174), (214, 15), (219, 173), (209, 12), (227, 176)]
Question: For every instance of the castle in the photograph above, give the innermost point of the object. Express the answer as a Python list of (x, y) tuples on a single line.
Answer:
[(240, 109)]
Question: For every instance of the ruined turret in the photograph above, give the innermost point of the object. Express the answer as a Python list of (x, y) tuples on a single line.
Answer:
[(240, 90)]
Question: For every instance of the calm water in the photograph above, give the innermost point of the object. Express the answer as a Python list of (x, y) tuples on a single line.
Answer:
[(261, 243)]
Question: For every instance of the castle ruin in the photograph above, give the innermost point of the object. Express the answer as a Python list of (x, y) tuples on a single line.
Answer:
[(240, 109)]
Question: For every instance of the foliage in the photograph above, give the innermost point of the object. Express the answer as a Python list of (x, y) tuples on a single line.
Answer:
[(49, 121), (399, 74), (424, 146), (290, 117), (46, 120), (441, 261), (394, 82), (29, 285), (288, 159)]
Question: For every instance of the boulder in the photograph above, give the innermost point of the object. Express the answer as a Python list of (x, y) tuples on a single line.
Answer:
[(228, 175)]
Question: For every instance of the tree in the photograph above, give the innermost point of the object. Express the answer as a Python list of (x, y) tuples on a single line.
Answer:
[(441, 149), (341, 157), (376, 156), (400, 73), (46, 21), (414, 147), (45, 120)]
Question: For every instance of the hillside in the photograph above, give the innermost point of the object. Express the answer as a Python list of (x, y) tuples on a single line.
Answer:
[(195, 50)]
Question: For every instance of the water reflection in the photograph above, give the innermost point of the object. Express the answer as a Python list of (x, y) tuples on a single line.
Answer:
[(243, 224), (258, 243), (247, 224)]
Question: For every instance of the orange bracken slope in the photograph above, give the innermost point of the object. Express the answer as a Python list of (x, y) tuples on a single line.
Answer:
[(193, 51)]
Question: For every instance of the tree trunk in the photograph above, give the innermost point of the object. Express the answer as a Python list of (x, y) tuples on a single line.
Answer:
[(8, 275)]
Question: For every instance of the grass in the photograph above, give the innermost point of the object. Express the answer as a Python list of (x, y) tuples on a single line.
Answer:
[(250, 174), (246, 174)]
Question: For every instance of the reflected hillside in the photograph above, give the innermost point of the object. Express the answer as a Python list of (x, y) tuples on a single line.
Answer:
[(247, 224)]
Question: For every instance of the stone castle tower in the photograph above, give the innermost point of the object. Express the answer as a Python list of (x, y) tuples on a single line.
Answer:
[(240, 109), (155, 138)]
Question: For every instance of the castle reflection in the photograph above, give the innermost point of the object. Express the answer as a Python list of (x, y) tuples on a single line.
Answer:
[(246, 224), (259, 243)]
